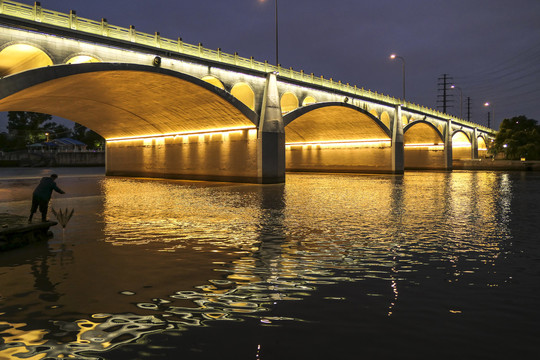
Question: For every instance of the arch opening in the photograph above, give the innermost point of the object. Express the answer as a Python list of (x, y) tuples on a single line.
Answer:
[(81, 59), (214, 81), (461, 146), (308, 100), (245, 94), (157, 123), (482, 147), (21, 57), (424, 146), (336, 137), (289, 102)]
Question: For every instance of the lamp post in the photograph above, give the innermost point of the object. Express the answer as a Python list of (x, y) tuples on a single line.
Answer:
[(276, 26), (394, 56), (460, 100), (47, 135), (488, 104)]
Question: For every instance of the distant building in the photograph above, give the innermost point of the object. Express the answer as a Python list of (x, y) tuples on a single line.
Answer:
[(58, 145)]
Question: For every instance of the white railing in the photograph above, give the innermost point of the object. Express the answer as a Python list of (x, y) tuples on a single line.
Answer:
[(72, 21)]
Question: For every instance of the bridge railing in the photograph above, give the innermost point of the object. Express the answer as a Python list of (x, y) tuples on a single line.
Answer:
[(102, 28)]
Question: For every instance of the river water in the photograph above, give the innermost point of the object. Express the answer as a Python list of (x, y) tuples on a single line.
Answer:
[(427, 265)]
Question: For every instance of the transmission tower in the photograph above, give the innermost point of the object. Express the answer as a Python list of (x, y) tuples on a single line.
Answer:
[(444, 95), (468, 109)]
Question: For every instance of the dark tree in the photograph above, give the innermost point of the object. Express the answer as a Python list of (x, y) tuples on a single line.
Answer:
[(56, 131), (92, 140), (518, 138), (26, 127)]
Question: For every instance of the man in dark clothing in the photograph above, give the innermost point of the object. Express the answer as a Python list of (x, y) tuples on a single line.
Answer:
[(42, 195)]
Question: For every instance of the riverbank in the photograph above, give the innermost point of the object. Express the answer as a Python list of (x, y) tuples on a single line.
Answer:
[(47, 159), (496, 165)]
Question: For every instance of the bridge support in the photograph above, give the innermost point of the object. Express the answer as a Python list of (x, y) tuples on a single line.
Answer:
[(474, 144), (448, 145), (398, 152), (271, 136)]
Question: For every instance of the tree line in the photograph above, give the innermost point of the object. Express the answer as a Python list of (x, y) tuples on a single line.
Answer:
[(25, 128), (518, 138)]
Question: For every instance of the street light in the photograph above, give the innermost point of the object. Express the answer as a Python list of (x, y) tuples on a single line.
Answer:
[(460, 100), (47, 135), (394, 56), (277, 37), (488, 104)]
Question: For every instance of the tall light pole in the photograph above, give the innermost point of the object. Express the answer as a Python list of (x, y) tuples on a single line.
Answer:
[(277, 36), (394, 56), (488, 104), (460, 100)]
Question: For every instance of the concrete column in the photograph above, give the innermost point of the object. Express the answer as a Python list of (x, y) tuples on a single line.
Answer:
[(448, 145), (398, 152), (271, 136), (474, 144)]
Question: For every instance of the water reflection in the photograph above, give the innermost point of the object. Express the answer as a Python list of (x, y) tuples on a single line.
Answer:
[(252, 246)]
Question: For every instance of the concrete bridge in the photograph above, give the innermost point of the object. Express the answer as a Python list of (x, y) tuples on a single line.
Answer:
[(171, 109)]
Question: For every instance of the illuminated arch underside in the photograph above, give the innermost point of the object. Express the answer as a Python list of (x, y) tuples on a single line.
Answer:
[(123, 103), (421, 133), (333, 123), (21, 57)]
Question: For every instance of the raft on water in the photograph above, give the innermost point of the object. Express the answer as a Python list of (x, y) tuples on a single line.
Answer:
[(16, 231)]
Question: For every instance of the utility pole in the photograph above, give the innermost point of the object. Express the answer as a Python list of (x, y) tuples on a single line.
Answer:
[(468, 108), (443, 83)]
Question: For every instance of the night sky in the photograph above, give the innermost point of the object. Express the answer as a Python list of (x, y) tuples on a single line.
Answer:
[(491, 48)]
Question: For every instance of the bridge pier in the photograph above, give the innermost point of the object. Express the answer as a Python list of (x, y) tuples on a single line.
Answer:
[(448, 145), (271, 136), (474, 144), (398, 150)]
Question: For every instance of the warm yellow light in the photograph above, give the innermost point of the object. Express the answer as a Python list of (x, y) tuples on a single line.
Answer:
[(392, 56), (184, 134), (427, 146), (340, 143), (81, 59)]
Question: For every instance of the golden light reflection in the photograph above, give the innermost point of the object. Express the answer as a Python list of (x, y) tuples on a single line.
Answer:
[(205, 132), (13, 333)]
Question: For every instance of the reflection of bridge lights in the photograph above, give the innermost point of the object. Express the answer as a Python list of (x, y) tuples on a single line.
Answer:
[(222, 131), (341, 143)]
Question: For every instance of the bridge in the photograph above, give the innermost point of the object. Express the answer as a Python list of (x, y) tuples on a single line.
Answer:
[(174, 110)]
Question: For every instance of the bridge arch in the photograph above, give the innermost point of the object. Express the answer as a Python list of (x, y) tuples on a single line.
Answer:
[(424, 146), (336, 136), (120, 100), (22, 56)]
